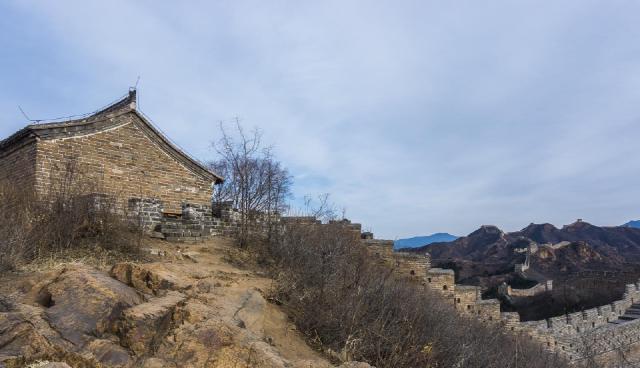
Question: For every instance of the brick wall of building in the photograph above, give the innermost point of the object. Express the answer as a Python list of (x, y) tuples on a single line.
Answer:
[(125, 162), (17, 167)]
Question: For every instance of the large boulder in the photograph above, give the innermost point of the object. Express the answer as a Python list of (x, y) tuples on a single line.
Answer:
[(71, 315), (143, 327), (26, 333), (83, 303), (153, 278)]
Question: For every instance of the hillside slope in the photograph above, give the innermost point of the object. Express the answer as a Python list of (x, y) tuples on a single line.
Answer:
[(189, 308)]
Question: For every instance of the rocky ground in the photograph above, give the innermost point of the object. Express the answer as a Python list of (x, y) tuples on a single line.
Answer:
[(188, 308)]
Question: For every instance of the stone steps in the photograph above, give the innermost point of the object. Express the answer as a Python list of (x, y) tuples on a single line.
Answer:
[(630, 314)]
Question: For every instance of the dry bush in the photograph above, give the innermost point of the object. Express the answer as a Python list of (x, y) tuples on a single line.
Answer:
[(71, 216), (19, 216), (345, 302)]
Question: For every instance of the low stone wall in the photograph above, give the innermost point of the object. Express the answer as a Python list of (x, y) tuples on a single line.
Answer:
[(195, 222), (145, 212)]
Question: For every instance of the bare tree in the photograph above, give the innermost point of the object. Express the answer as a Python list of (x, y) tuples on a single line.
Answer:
[(256, 183), (321, 208)]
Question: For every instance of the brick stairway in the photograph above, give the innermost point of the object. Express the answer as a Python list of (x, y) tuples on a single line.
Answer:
[(630, 314)]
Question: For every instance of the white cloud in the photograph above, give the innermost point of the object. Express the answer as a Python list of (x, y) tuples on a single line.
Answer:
[(418, 116)]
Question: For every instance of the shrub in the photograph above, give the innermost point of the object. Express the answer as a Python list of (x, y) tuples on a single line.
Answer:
[(71, 215)]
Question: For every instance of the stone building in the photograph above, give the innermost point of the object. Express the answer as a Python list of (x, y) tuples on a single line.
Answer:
[(118, 151)]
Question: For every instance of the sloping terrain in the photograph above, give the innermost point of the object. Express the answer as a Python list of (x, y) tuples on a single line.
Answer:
[(189, 308)]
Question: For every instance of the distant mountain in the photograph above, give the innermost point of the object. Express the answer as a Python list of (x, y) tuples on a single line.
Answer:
[(635, 224), (573, 248), (596, 262), (420, 241)]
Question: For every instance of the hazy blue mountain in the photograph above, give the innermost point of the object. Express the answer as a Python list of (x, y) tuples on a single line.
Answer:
[(635, 224), (419, 241)]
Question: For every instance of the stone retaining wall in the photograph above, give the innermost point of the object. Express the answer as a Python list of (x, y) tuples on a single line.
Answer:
[(195, 222)]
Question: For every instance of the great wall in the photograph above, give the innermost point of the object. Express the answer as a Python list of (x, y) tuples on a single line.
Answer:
[(601, 333), (604, 333)]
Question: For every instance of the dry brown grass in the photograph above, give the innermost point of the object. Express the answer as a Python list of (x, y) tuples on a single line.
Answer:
[(70, 222)]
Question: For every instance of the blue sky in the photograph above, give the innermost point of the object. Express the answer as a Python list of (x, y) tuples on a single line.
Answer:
[(417, 116)]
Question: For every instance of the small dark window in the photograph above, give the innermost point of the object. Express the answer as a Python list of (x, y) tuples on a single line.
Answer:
[(413, 272), (428, 279), (469, 307), (444, 287)]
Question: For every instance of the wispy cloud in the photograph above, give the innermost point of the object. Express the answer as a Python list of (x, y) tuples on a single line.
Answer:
[(417, 116)]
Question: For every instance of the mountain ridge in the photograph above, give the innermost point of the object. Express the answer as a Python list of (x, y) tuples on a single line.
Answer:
[(420, 241), (576, 247), (633, 223)]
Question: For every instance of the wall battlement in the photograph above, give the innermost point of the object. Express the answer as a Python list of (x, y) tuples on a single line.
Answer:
[(598, 333)]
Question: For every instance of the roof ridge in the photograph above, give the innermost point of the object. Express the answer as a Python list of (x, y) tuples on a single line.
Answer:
[(126, 103)]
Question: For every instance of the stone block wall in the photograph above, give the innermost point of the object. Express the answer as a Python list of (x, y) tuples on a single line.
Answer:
[(145, 212), (532, 291), (381, 250), (488, 310), (441, 280), (412, 265), (123, 162), (596, 331), (194, 222), (466, 297), (18, 166)]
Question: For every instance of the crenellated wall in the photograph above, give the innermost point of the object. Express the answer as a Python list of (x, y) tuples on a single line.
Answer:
[(600, 332), (466, 299), (532, 291), (597, 332)]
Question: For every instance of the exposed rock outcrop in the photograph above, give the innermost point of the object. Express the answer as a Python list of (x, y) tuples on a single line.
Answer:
[(166, 314)]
